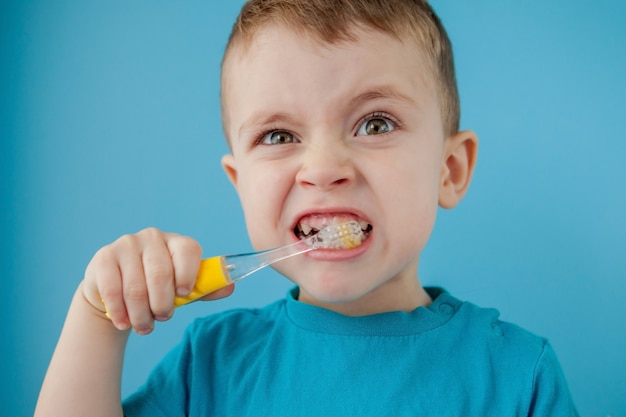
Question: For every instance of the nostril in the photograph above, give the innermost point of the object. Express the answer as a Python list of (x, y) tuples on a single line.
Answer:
[(325, 167), (326, 184), (324, 178)]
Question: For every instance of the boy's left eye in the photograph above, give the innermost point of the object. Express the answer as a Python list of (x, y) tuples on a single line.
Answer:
[(376, 125)]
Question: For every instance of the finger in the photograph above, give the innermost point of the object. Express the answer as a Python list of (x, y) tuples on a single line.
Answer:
[(90, 283), (110, 289), (159, 273), (134, 288), (103, 284), (185, 253), (221, 293)]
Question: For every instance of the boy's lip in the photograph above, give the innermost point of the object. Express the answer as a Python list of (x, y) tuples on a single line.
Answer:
[(331, 255)]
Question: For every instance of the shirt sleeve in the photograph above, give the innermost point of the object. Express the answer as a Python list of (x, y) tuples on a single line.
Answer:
[(551, 396)]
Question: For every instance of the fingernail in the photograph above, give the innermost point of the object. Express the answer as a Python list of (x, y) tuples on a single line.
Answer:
[(122, 325), (144, 332), (162, 318), (182, 291)]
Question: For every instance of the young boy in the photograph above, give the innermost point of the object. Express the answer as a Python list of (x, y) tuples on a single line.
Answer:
[(333, 110)]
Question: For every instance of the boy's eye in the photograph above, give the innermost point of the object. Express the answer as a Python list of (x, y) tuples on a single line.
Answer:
[(375, 126), (278, 137)]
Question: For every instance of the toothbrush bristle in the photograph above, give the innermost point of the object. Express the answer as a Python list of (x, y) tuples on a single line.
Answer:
[(348, 238), (346, 235)]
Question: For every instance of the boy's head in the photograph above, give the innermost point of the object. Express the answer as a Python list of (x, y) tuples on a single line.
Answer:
[(332, 21), (344, 111)]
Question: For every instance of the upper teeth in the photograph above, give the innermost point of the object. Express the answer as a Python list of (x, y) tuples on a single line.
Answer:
[(305, 228)]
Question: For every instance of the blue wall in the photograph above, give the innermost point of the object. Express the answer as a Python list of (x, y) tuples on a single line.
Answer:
[(110, 123)]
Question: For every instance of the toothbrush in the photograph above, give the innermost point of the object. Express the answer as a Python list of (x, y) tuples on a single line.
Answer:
[(220, 271)]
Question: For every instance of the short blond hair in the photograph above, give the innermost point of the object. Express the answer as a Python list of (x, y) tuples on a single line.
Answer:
[(333, 21)]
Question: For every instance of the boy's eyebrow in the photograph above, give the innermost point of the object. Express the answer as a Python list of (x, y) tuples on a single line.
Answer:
[(384, 92), (256, 120)]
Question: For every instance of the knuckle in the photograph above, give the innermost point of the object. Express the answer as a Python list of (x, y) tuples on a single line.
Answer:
[(150, 233), (159, 273), (185, 245), (109, 293), (125, 242), (103, 255), (134, 293), (101, 270)]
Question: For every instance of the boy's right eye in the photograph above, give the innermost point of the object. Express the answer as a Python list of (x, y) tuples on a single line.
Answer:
[(278, 137)]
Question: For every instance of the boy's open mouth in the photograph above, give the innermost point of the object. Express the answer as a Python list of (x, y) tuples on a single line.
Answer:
[(311, 224)]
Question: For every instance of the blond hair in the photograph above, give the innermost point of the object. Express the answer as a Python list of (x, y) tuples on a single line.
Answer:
[(333, 21)]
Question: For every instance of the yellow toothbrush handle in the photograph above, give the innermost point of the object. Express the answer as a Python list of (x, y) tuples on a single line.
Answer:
[(212, 276)]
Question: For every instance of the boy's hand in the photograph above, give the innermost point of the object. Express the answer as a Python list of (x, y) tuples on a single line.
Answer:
[(138, 275)]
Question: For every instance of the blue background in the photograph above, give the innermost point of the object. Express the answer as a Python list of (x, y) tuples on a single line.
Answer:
[(110, 123)]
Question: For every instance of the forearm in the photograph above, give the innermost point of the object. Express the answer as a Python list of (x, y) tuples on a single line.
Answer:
[(84, 376)]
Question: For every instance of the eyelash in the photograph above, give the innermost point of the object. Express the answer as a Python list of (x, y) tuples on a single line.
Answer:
[(261, 137), (395, 124)]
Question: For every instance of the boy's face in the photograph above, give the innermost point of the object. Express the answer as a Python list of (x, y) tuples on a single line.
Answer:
[(351, 131)]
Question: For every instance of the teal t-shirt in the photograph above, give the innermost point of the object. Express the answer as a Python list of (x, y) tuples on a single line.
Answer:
[(451, 358)]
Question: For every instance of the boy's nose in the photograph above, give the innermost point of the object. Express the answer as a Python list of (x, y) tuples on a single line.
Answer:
[(326, 166)]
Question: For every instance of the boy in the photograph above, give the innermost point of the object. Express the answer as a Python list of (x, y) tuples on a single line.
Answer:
[(333, 110)]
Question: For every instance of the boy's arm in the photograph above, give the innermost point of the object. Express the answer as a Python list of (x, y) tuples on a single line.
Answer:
[(137, 277), (84, 376)]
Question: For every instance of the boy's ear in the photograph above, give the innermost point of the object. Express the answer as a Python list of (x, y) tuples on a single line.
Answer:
[(457, 167), (230, 168)]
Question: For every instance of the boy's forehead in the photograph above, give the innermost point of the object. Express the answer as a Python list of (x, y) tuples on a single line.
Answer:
[(241, 47), (264, 41)]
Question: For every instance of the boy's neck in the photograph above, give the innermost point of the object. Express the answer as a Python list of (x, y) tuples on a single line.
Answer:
[(411, 296)]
